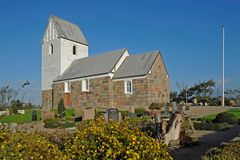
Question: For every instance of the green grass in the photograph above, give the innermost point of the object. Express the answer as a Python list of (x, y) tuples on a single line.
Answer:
[(21, 118), (234, 111), (69, 112)]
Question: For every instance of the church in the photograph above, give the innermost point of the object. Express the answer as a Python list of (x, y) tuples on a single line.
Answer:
[(111, 79)]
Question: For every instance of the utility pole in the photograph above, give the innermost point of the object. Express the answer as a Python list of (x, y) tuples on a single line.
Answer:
[(186, 94), (223, 96)]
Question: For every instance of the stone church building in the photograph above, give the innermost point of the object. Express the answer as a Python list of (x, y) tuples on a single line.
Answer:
[(115, 78)]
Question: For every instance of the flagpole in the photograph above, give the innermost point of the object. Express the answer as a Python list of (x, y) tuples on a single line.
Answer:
[(223, 61)]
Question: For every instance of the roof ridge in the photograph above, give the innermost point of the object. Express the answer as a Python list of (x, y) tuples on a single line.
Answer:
[(147, 52), (107, 52), (53, 16)]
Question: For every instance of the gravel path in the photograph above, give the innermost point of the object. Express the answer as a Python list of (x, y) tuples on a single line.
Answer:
[(208, 140)]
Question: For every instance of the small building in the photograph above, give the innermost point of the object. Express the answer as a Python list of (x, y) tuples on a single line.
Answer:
[(115, 78)]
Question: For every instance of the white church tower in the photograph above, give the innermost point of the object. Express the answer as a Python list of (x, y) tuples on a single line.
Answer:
[(62, 43)]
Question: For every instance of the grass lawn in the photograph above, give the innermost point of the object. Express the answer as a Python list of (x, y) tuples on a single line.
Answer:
[(235, 111), (69, 112), (21, 118)]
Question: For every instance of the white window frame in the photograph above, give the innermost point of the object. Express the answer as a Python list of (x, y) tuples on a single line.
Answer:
[(128, 89), (67, 87), (85, 85)]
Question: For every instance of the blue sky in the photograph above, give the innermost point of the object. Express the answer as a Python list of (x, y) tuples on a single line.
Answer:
[(188, 34)]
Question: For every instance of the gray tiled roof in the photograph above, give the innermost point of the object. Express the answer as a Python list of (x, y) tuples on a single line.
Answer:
[(69, 30), (136, 65), (90, 66)]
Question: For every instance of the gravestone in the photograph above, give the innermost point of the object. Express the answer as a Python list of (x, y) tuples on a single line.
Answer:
[(34, 115), (21, 111), (165, 110), (13, 127), (88, 113), (174, 107), (112, 114), (131, 109)]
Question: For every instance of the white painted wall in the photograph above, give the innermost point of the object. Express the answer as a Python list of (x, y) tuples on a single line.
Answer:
[(67, 56), (55, 64), (51, 63)]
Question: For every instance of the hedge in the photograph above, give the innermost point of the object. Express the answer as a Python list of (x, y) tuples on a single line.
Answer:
[(226, 117), (211, 126), (56, 123), (228, 152)]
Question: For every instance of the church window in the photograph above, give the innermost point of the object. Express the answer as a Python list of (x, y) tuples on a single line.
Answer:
[(67, 87), (50, 49), (128, 86), (85, 85), (74, 50)]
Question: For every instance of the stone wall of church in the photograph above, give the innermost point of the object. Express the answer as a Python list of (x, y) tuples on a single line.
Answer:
[(158, 87), (58, 93), (153, 88), (47, 102), (105, 92), (97, 96), (138, 98)]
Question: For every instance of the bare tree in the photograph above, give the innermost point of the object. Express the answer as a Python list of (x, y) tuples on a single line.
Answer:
[(6, 96)]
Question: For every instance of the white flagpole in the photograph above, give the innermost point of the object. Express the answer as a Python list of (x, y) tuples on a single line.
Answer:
[(223, 81)]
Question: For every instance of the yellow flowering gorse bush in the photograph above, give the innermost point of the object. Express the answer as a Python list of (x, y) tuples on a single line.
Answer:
[(27, 146), (101, 140), (93, 140)]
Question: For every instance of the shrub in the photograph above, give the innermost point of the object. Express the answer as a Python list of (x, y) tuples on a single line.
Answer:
[(61, 108), (113, 140), (56, 123), (124, 113), (156, 106), (226, 117), (3, 136), (70, 112), (28, 146), (139, 111), (211, 126), (230, 151), (99, 114), (51, 123)]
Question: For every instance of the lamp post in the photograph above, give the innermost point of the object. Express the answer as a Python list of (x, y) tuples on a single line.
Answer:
[(223, 61)]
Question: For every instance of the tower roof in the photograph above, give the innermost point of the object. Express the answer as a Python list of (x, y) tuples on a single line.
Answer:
[(68, 30)]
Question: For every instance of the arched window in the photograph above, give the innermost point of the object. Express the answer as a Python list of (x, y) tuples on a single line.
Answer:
[(74, 50), (50, 49)]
